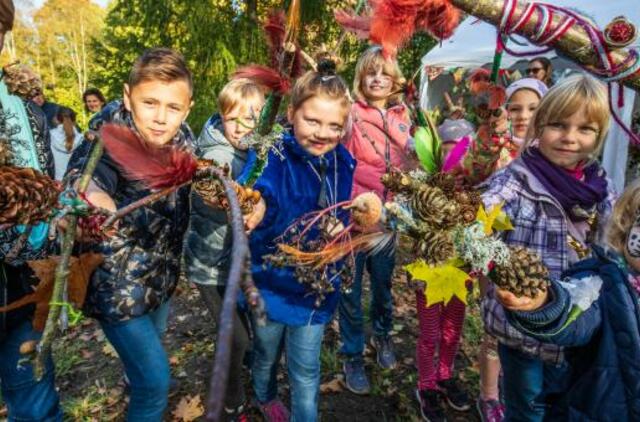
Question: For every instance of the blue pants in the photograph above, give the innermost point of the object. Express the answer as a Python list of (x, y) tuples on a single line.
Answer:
[(138, 342), (380, 267), (528, 385), (303, 364), (26, 398)]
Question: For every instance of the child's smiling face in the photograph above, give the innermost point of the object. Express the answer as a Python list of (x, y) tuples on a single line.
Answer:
[(158, 108), (240, 122), (569, 141), (318, 124)]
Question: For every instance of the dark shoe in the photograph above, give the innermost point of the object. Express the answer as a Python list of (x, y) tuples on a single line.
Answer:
[(431, 407), (239, 414), (355, 377), (490, 410), (455, 394), (385, 355)]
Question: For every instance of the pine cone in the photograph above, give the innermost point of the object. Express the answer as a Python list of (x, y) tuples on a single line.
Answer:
[(524, 275), (399, 182), (435, 247), (469, 202), (5, 153), (212, 192), (26, 196), (445, 181), (432, 206)]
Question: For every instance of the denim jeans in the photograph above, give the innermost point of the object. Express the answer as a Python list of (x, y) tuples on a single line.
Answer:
[(138, 342), (26, 398), (380, 267), (528, 386), (302, 345)]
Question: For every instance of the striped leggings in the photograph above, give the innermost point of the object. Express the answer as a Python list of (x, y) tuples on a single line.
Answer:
[(440, 327)]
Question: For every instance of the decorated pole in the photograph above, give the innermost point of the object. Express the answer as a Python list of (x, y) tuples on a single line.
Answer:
[(62, 271), (570, 37)]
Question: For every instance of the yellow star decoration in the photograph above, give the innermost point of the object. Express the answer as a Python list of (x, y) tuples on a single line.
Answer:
[(443, 282), (495, 219)]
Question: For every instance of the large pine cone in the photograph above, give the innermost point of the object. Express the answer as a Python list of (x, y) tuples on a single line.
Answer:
[(524, 275), (435, 247), (432, 206), (26, 196)]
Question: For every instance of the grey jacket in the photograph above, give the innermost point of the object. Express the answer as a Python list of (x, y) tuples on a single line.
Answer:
[(208, 240)]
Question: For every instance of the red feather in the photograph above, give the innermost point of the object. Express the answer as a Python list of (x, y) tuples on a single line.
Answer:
[(358, 25), (395, 21), (265, 76), (157, 168)]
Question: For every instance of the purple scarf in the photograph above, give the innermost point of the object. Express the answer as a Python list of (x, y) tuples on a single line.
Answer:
[(578, 197)]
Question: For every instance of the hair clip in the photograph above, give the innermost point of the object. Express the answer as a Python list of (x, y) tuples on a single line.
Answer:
[(327, 78)]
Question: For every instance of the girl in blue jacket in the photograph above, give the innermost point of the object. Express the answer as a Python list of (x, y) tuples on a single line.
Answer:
[(597, 317), (307, 171)]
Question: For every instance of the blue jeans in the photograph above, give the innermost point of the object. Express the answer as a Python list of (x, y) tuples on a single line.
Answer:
[(528, 384), (380, 267), (303, 365), (138, 342), (26, 398)]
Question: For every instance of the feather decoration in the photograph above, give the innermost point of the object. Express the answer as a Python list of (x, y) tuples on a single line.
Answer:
[(395, 21), (456, 155), (360, 26), (264, 75), (293, 22), (156, 167)]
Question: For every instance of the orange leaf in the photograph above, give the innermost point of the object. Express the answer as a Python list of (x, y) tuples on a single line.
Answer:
[(189, 409)]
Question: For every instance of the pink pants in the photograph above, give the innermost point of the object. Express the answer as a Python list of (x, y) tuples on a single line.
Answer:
[(439, 325)]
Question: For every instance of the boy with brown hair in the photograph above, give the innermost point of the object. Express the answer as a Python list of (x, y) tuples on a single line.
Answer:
[(129, 293)]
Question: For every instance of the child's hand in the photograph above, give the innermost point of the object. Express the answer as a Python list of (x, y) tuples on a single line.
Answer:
[(252, 220), (524, 303)]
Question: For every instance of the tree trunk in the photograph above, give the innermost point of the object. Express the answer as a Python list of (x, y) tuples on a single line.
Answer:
[(575, 44)]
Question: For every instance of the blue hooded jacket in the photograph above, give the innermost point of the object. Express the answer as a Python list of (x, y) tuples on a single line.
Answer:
[(603, 341), (290, 188)]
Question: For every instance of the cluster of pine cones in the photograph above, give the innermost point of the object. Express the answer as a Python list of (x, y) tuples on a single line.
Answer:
[(439, 205), (212, 191), (524, 275), (26, 196)]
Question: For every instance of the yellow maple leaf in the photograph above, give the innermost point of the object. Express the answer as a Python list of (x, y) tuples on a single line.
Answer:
[(496, 219), (189, 409), (443, 282)]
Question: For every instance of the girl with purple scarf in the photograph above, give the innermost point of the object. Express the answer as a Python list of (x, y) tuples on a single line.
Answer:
[(558, 198)]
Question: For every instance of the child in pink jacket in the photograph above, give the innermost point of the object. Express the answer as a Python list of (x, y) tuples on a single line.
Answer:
[(379, 142)]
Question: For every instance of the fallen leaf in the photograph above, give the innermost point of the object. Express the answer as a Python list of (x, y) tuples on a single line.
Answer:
[(189, 409), (173, 360), (333, 386), (108, 350)]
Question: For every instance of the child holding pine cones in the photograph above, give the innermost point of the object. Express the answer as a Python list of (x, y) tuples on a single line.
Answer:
[(596, 316), (556, 196)]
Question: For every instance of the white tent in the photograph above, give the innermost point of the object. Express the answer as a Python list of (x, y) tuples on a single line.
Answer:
[(473, 45)]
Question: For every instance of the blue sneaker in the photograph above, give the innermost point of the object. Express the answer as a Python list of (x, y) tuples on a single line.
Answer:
[(385, 355), (355, 377)]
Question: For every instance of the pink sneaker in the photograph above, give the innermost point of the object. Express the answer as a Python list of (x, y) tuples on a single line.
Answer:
[(274, 411), (490, 410)]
